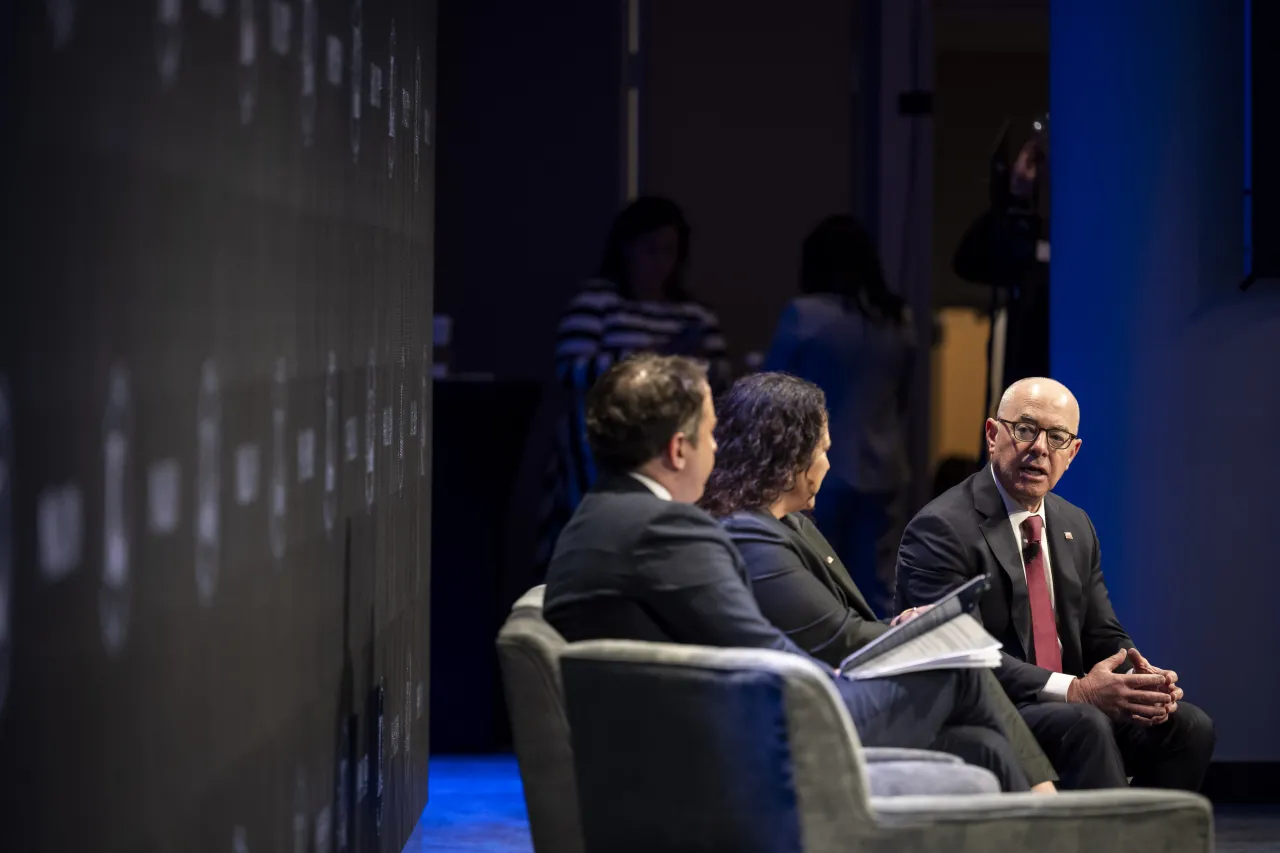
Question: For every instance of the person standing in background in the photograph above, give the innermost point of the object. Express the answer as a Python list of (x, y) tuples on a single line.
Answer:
[(638, 302), (1007, 249), (850, 335)]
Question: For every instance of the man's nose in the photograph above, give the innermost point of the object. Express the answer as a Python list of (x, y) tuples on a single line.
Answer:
[(1041, 444)]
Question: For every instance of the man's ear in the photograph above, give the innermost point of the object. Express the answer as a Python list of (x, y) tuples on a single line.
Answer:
[(991, 431), (674, 453)]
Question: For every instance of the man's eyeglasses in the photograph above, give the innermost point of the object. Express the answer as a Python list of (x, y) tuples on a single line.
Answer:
[(1026, 433)]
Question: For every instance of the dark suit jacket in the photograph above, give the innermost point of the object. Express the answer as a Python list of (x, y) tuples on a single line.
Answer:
[(632, 566), (801, 585), (965, 532)]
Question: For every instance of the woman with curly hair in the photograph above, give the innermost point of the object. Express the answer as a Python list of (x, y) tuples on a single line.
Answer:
[(772, 456), (773, 441)]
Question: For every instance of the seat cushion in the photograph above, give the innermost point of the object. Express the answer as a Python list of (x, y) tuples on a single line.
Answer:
[(899, 778)]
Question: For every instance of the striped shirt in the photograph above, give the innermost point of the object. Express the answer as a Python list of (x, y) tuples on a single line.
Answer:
[(600, 328)]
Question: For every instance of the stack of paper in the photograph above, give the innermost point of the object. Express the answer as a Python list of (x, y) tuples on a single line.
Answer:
[(958, 643)]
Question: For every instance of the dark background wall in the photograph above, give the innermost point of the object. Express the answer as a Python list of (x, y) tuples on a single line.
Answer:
[(746, 120), (530, 150), (530, 146), (214, 421)]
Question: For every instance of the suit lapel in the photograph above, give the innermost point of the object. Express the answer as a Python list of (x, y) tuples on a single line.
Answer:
[(819, 551), (823, 561), (1000, 539)]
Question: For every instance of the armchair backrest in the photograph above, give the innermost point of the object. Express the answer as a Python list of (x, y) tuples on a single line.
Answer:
[(529, 650), (696, 748)]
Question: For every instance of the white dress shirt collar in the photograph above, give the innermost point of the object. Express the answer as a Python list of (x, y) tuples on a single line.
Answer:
[(653, 485)]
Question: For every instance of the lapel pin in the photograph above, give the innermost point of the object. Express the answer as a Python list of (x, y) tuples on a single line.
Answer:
[(1067, 534), (830, 560)]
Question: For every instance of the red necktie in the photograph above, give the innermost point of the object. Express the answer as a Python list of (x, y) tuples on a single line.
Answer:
[(1044, 629)]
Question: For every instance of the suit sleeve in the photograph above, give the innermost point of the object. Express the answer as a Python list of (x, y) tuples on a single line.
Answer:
[(1101, 633), (800, 605), (694, 588), (932, 562)]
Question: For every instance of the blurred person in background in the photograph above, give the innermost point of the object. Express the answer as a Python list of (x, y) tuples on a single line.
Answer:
[(1007, 248), (850, 335), (638, 302)]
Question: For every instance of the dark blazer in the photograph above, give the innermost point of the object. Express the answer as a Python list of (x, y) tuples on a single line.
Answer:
[(632, 566), (801, 585), (965, 532)]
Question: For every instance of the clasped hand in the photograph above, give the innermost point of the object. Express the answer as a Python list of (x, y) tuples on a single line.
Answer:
[(1148, 695)]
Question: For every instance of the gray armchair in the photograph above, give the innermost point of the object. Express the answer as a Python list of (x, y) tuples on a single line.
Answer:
[(529, 655), (685, 748), (529, 652)]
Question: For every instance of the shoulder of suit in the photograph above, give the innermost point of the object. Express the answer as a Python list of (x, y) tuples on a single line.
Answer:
[(1057, 505), (635, 516), (955, 500), (688, 524), (746, 523), (742, 519), (686, 514), (637, 505)]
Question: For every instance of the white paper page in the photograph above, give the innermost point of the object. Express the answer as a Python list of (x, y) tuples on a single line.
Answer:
[(972, 660), (956, 638)]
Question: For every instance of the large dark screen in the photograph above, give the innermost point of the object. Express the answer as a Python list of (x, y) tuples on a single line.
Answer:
[(214, 418)]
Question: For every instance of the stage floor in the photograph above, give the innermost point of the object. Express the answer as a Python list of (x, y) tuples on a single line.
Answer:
[(477, 807)]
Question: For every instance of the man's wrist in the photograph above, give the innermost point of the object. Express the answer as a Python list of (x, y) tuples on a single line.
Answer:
[(1057, 688), (1077, 691)]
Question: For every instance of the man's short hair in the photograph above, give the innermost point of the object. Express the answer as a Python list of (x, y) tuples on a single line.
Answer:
[(635, 408)]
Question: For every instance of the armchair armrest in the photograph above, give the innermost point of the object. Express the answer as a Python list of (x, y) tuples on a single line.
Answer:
[(1095, 821)]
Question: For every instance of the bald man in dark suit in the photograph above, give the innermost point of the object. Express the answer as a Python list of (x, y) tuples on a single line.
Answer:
[(1099, 709)]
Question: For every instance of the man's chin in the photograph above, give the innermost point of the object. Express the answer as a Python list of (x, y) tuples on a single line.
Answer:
[(1033, 491), (1022, 486)]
